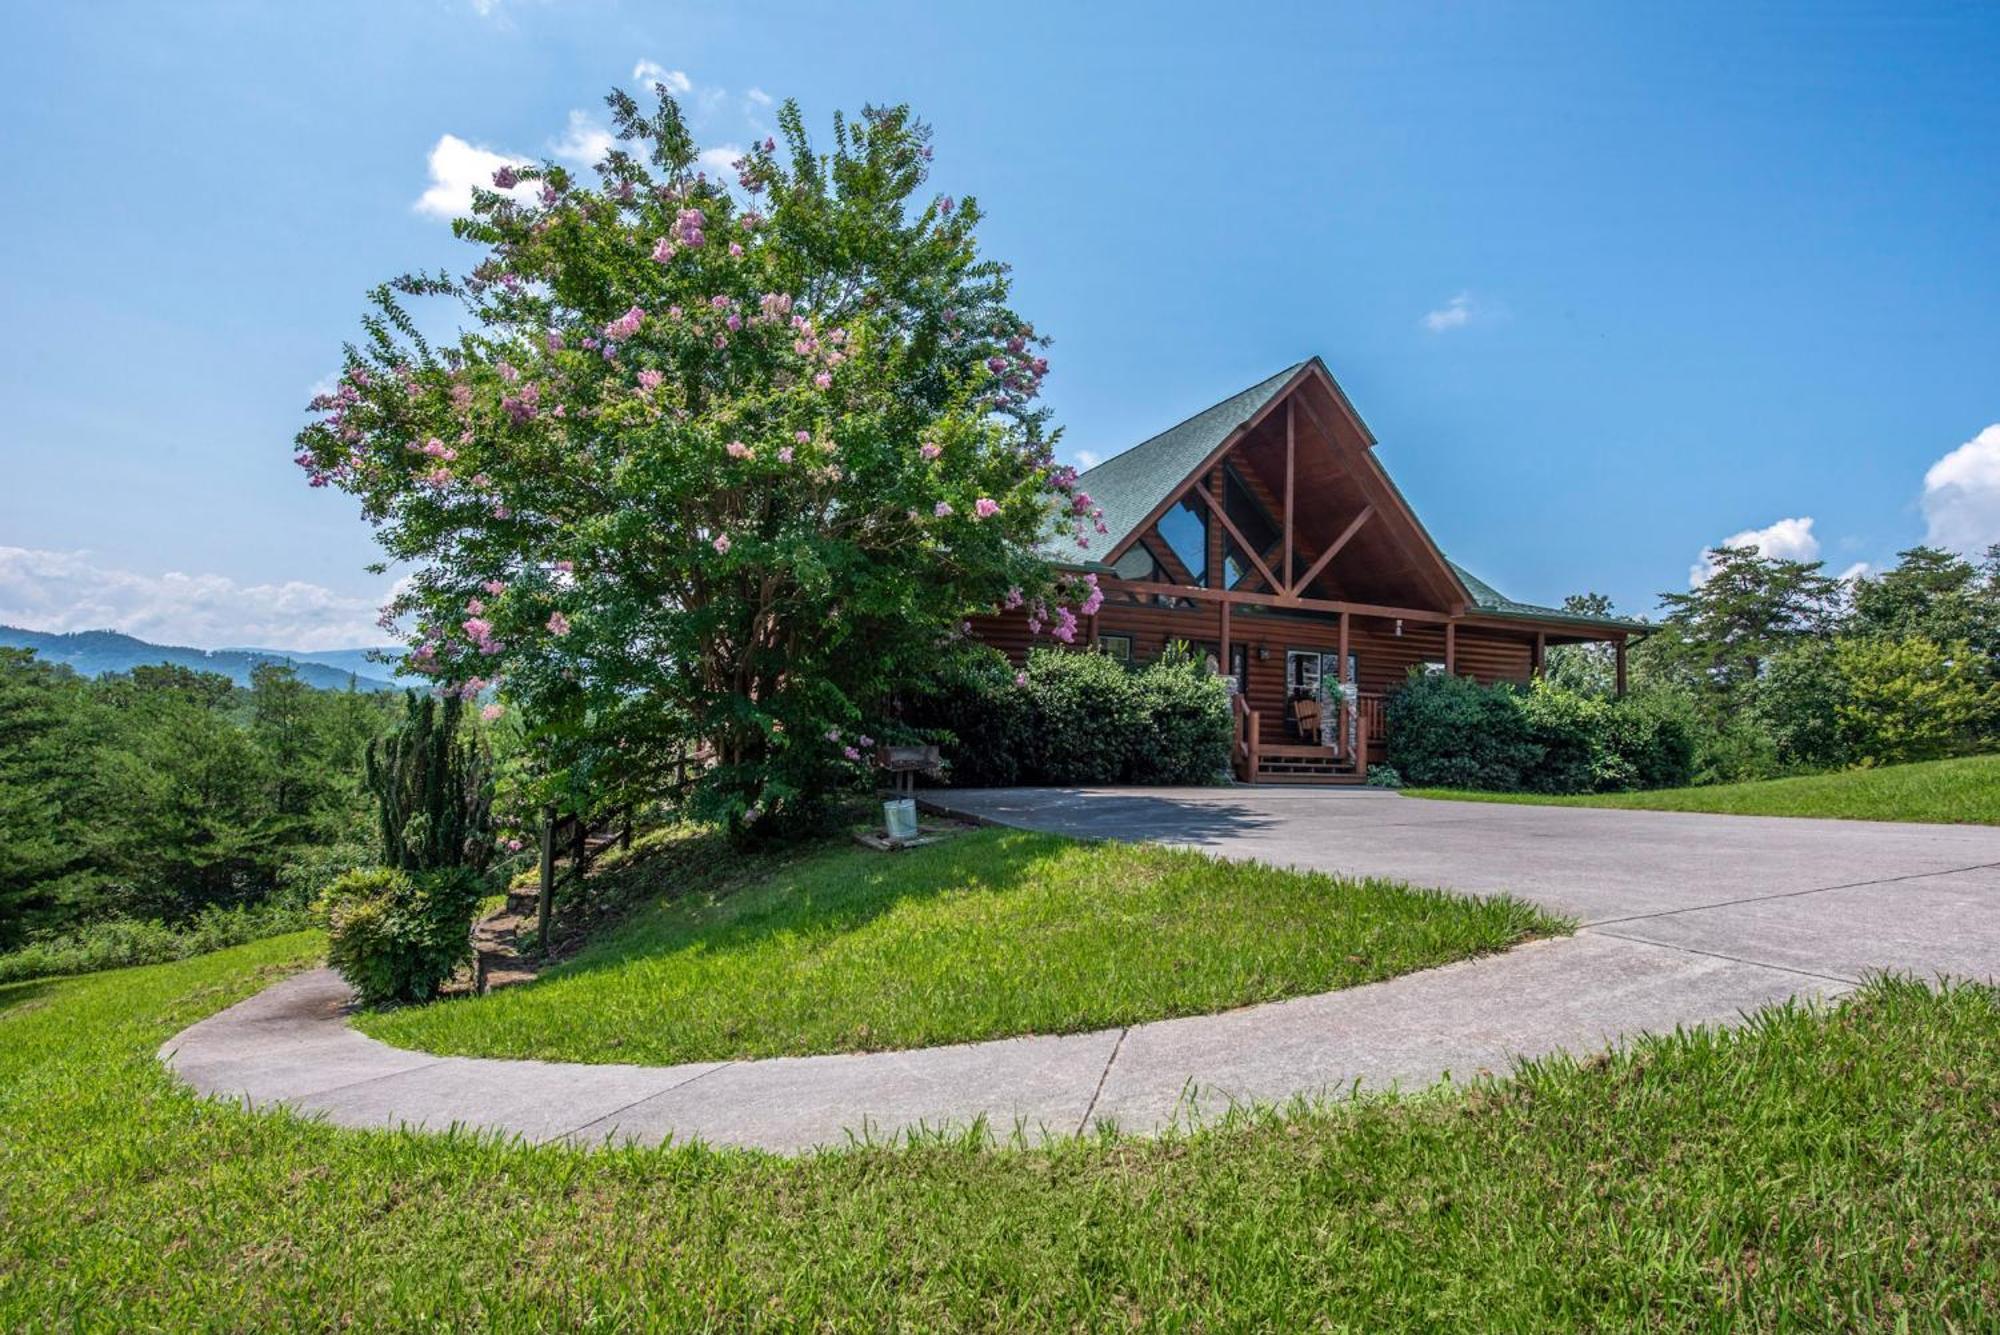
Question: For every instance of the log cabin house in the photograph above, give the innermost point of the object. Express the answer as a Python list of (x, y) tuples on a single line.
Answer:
[(1264, 533)]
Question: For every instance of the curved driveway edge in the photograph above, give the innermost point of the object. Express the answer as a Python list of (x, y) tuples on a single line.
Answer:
[(1688, 920), (290, 1046)]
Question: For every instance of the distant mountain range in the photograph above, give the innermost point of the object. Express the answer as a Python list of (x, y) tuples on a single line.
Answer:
[(92, 653)]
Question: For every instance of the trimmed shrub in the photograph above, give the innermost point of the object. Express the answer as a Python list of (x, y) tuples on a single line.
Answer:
[(1448, 732), (1568, 729), (1086, 720), (1649, 741), (396, 935), (1074, 718), (1384, 776), (980, 719), (1184, 720)]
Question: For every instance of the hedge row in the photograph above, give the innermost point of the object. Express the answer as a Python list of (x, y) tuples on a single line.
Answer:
[(1448, 732), (1075, 718)]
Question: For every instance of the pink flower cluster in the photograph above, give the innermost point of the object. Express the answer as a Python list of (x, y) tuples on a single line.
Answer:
[(625, 326), (558, 623), (524, 406), (688, 226)]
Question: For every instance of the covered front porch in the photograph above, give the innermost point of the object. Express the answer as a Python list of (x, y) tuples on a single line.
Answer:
[(1277, 659)]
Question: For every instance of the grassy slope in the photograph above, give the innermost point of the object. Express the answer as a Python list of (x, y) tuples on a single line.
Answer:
[(988, 934), (1816, 1172), (1957, 792)]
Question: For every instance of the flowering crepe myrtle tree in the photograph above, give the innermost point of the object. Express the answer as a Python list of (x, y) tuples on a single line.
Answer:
[(708, 464)]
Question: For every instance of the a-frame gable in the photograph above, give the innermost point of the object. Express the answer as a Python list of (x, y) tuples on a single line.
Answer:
[(1296, 439)]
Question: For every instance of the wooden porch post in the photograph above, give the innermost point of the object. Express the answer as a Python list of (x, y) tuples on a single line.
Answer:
[(1451, 648), (1349, 707), (1225, 641), (1541, 654), (1619, 658)]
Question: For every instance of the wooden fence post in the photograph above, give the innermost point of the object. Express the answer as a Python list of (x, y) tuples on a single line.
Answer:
[(545, 895)]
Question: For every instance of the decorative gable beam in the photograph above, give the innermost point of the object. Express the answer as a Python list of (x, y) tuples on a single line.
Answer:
[(1291, 417), (1216, 508), (1353, 527)]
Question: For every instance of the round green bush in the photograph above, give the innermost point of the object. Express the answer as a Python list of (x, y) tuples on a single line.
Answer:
[(397, 936)]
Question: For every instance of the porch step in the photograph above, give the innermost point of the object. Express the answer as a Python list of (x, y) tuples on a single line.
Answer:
[(1348, 778)]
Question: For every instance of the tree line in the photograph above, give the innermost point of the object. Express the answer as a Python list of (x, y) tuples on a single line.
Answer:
[(157, 794), (1786, 669)]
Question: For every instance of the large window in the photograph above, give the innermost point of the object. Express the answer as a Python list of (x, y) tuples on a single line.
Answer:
[(1251, 521), (1185, 528)]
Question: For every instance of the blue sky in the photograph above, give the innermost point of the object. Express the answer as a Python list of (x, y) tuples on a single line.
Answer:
[(1609, 284)]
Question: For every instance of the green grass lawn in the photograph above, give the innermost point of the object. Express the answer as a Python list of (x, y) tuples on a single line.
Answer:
[(1954, 792), (1817, 1171), (991, 933)]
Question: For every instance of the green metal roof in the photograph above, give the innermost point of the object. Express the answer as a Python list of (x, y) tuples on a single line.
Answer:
[(1130, 484), (1492, 602)]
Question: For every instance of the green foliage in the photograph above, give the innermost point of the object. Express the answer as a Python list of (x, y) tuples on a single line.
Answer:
[(1384, 776), (1965, 791), (116, 943), (44, 770), (1449, 732), (1934, 595), (1911, 699), (1185, 725), (395, 935), (1717, 636), (433, 789), (161, 794), (1649, 741), (1074, 718), (1787, 671), (987, 725), (1086, 722), (709, 466)]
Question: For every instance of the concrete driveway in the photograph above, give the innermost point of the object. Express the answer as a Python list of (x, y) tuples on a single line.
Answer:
[(1689, 920), (1832, 899)]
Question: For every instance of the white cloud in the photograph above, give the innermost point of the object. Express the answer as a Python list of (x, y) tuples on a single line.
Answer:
[(1086, 459), (650, 72), (1855, 571), (1962, 495), (720, 160), (69, 591), (758, 97), (585, 142), (1786, 540), (456, 167), (1454, 314)]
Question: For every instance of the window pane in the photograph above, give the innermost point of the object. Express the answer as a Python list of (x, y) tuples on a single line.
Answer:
[(1257, 528), (1185, 528), (1138, 563)]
